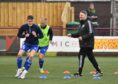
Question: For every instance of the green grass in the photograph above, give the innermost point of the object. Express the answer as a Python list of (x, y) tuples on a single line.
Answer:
[(56, 66)]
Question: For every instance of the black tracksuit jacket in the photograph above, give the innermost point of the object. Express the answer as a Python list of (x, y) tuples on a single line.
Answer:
[(87, 33), (31, 39)]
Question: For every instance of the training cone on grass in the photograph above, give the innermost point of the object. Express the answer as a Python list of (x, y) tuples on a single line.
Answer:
[(66, 72), (43, 77), (46, 72), (93, 72), (96, 78), (116, 73), (67, 77)]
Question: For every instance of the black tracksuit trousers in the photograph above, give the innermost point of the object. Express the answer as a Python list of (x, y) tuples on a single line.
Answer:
[(89, 53)]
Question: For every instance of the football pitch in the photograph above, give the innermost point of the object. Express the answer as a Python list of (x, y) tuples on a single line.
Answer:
[(56, 67)]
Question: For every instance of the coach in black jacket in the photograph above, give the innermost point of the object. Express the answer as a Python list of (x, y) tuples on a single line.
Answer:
[(86, 40)]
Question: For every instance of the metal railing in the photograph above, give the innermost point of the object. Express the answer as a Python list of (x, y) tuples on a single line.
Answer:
[(58, 31)]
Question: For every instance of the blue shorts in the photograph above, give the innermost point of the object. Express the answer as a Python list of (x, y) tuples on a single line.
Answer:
[(30, 47), (43, 50)]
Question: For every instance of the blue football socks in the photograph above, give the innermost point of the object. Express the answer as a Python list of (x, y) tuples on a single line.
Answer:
[(19, 62), (41, 62), (27, 64)]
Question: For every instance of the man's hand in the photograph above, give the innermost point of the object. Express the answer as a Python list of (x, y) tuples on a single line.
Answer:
[(51, 42), (80, 38), (27, 35), (23, 33), (69, 35), (34, 33)]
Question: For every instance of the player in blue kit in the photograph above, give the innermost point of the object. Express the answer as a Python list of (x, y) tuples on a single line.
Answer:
[(32, 33)]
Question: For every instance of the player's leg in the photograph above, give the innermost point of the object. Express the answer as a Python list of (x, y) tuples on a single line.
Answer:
[(28, 61), (43, 51), (28, 53), (81, 57), (93, 61), (19, 59), (81, 63), (41, 62), (19, 63)]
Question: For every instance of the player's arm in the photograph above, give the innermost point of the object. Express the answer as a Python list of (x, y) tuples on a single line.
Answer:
[(39, 33), (50, 33), (89, 34), (21, 32)]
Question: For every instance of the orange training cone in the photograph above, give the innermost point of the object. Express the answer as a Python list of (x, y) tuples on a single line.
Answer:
[(93, 72), (116, 73), (66, 72)]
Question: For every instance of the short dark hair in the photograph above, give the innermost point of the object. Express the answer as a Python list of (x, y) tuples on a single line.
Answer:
[(30, 17), (84, 11)]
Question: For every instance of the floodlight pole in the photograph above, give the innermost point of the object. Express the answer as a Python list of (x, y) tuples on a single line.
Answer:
[(113, 18)]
